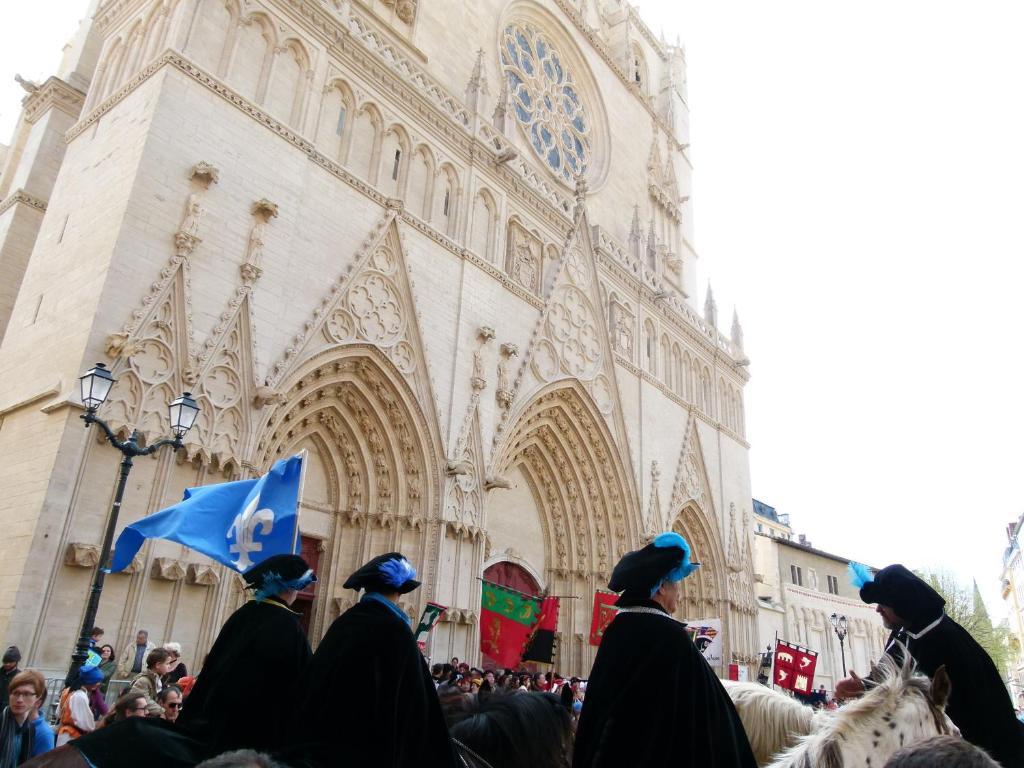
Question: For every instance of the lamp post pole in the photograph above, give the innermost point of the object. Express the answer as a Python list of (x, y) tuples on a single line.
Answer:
[(95, 385), (840, 624)]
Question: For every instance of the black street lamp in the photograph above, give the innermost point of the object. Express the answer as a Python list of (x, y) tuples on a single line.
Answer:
[(96, 384), (839, 624)]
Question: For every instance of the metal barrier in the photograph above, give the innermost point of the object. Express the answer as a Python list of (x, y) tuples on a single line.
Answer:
[(55, 686)]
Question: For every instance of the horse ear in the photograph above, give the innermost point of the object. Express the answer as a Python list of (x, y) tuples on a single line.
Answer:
[(940, 687)]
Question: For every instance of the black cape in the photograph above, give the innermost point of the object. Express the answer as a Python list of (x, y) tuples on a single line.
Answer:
[(367, 699), (259, 653), (139, 741), (979, 704), (652, 701)]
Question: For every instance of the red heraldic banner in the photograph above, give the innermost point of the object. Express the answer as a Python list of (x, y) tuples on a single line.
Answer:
[(604, 612), (794, 667), (541, 645), (506, 619)]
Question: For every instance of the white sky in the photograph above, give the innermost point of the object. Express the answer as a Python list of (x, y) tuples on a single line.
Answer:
[(858, 194)]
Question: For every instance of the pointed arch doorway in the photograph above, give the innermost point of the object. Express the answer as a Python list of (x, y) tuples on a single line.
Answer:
[(505, 573)]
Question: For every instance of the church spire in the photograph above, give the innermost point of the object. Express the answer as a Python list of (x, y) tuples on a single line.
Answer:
[(502, 118), (636, 235), (476, 88), (710, 309), (737, 330)]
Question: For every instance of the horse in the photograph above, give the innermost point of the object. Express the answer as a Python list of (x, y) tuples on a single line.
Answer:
[(902, 709)]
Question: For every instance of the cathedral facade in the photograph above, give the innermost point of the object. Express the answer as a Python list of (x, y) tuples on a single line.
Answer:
[(444, 247)]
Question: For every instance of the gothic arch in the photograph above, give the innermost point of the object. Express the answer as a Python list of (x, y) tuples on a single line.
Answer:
[(585, 499), (705, 593), (356, 410), (563, 445), (378, 412)]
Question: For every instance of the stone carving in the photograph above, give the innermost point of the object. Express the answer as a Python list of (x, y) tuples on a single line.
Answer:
[(262, 212), (479, 378), (120, 344), (622, 329), (193, 215), (82, 555), (504, 389), (265, 396), (205, 174), (202, 574), (524, 257), (168, 569)]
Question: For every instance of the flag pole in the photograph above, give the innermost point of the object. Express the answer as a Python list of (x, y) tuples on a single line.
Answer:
[(775, 650), (303, 455)]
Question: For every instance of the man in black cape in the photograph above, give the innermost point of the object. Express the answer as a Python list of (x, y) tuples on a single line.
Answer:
[(979, 704), (261, 652), (652, 699), (367, 697)]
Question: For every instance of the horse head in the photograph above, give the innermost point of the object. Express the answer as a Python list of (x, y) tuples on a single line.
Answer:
[(903, 708)]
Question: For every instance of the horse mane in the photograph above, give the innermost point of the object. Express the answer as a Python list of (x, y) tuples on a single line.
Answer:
[(773, 721), (893, 680)]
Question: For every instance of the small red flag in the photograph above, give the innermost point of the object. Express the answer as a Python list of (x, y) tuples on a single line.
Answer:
[(604, 612), (541, 645), (794, 667)]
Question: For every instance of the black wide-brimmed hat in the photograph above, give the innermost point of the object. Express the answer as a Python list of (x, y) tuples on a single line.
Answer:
[(638, 574), (909, 596), (390, 572)]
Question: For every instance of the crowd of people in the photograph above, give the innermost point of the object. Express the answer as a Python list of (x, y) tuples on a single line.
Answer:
[(367, 697)]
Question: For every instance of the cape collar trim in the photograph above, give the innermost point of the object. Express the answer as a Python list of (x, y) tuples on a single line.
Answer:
[(376, 597), (278, 603), (926, 630), (652, 611)]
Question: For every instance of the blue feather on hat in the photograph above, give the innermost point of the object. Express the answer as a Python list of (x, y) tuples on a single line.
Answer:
[(860, 575), (397, 572)]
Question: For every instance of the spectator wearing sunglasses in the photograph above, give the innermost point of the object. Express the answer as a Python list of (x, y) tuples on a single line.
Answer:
[(170, 699)]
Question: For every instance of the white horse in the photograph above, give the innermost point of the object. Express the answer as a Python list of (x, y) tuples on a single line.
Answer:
[(903, 709)]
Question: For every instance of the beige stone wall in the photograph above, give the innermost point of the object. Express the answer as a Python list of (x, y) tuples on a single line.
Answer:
[(455, 404), (801, 614)]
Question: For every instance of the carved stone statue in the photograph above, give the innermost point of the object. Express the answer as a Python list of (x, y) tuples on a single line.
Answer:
[(255, 252), (193, 215), (504, 389), (622, 330), (524, 267)]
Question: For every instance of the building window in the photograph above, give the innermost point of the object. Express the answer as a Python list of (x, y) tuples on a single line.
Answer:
[(447, 200), (394, 168), (339, 129), (546, 100), (796, 575), (833, 585), (760, 528)]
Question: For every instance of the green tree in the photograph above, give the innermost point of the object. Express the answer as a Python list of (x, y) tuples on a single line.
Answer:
[(965, 606)]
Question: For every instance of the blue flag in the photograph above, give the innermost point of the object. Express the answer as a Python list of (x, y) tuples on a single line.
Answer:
[(238, 524)]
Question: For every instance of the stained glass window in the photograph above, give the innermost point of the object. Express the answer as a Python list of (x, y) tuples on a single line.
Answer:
[(546, 101)]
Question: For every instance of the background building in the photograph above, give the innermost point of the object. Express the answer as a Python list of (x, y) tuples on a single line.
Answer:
[(798, 588), (445, 247), (1013, 594)]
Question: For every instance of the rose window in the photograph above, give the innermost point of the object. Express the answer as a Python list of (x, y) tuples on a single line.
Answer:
[(546, 101)]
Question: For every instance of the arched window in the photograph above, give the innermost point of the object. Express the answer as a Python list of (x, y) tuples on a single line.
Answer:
[(446, 203), (335, 128), (420, 190), (666, 361), (366, 133), (251, 59), (650, 355), (394, 149), (211, 24), (678, 371), (485, 214), (286, 88)]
